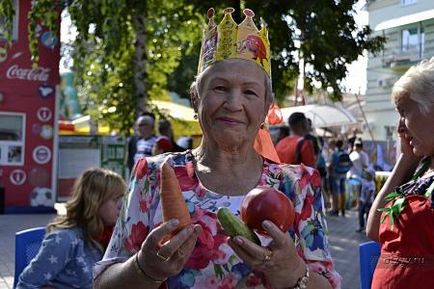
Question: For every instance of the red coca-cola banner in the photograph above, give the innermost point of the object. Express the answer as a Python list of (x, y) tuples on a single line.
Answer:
[(28, 116), (41, 74)]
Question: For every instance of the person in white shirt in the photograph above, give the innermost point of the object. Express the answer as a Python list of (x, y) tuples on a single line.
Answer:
[(360, 160)]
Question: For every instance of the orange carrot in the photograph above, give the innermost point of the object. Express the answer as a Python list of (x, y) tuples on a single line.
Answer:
[(172, 201)]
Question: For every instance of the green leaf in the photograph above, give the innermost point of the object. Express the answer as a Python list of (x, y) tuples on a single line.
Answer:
[(391, 196)]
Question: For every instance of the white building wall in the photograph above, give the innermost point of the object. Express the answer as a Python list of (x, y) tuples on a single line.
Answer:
[(386, 68)]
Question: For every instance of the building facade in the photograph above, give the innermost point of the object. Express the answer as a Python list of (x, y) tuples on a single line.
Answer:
[(408, 26)]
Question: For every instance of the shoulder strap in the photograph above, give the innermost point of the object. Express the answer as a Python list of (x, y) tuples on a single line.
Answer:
[(298, 150)]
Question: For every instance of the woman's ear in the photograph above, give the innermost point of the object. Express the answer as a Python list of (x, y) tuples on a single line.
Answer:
[(194, 97)]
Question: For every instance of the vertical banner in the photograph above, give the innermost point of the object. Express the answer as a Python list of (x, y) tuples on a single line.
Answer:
[(27, 116)]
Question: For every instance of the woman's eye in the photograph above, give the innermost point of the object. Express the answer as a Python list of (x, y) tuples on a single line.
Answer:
[(220, 88), (250, 92)]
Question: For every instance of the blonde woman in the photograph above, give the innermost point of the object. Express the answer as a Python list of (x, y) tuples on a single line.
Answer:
[(78, 239)]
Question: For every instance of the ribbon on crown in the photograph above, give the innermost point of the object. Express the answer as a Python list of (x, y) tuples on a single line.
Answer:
[(230, 40)]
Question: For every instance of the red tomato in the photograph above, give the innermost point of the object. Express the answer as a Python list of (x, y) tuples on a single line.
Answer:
[(266, 203)]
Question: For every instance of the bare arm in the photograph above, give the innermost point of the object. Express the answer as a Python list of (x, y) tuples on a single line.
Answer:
[(402, 172), (124, 275), (145, 269)]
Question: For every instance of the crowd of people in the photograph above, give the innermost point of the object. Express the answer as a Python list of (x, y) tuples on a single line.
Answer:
[(343, 165), (231, 96)]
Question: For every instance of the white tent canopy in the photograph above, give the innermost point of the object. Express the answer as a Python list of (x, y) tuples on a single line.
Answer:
[(322, 115)]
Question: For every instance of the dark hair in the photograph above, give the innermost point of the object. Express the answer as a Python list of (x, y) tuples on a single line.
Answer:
[(358, 143), (297, 118), (339, 143)]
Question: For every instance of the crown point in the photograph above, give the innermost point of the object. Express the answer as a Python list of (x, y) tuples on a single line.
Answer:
[(210, 13), (229, 10), (248, 12)]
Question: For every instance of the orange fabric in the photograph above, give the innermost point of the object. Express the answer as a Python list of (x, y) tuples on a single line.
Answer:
[(274, 115), (286, 150), (264, 146)]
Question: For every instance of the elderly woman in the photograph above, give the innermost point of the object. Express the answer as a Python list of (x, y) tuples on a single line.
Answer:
[(231, 96), (403, 221)]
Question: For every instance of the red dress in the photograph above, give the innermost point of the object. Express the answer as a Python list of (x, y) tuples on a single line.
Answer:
[(407, 249)]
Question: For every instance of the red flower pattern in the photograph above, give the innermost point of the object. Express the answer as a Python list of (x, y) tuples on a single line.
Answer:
[(208, 244), (308, 178), (141, 168), (306, 212), (139, 232), (186, 181)]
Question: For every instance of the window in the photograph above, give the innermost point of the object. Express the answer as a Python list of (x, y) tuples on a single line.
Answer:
[(14, 24), (12, 138), (413, 41), (408, 2)]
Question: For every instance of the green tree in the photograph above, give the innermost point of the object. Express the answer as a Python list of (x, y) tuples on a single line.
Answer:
[(124, 50), (128, 51), (323, 31)]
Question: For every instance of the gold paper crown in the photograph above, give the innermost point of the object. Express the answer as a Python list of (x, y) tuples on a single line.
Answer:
[(230, 40)]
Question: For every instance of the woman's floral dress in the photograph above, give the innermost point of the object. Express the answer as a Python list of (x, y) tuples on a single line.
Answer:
[(213, 264)]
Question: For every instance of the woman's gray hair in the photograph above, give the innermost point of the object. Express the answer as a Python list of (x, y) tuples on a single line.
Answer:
[(196, 88), (417, 84)]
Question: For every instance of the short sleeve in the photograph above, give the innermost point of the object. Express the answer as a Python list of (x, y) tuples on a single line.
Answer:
[(303, 185), (53, 256)]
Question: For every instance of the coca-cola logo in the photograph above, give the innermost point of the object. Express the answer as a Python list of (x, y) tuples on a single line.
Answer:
[(33, 74)]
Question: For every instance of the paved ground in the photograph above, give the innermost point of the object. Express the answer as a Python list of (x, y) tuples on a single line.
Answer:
[(343, 239)]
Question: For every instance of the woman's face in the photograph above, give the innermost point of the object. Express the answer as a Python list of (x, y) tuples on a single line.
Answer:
[(232, 105), (110, 209), (418, 126)]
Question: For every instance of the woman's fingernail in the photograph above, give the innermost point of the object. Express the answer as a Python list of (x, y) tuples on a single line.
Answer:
[(266, 224), (174, 222), (238, 240)]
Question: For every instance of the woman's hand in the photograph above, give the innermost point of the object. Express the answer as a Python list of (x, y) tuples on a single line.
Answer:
[(161, 259), (404, 138), (279, 261)]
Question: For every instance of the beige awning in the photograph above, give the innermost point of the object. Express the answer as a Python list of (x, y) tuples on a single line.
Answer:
[(175, 110), (404, 20)]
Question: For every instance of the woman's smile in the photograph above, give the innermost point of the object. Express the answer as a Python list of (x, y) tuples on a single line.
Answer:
[(229, 121)]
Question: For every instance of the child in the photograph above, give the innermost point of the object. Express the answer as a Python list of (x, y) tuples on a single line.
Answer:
[(366, 197), (77, 240)]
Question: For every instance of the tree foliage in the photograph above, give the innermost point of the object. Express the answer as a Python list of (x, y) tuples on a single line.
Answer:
[(324, 31), (128, 51)]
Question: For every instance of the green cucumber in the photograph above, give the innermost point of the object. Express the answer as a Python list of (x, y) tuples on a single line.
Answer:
[(233, 226)]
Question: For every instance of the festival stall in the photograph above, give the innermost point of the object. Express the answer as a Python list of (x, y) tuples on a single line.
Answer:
[(28, 123)]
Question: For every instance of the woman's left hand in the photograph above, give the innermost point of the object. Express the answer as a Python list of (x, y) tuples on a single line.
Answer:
[(279, 261)]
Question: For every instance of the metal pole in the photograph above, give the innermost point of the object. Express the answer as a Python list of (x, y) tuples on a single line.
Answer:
[(367, 124)]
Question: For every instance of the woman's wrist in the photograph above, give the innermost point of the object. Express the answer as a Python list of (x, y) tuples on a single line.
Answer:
[(290, 279), (303, 280), (141, 271)]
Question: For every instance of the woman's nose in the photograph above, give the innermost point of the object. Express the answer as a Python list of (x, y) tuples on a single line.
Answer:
[(234, 99)]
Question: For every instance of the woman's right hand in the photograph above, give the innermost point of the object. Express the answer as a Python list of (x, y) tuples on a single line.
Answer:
[(404, 138), (161, 261)]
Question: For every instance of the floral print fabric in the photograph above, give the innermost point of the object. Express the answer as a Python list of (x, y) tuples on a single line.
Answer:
[(213, 264)]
